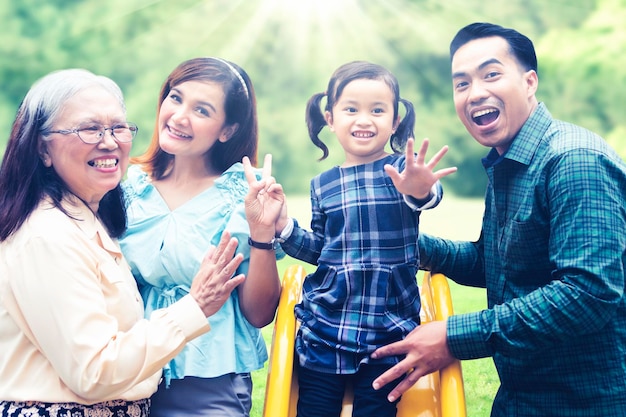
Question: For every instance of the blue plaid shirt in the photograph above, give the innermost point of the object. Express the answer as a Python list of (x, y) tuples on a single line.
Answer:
[(364, 293), (552, 257)]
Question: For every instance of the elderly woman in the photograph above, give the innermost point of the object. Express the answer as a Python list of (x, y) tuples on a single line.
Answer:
[(74, 340)]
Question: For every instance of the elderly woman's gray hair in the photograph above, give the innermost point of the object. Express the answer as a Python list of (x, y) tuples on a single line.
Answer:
[(47, 96)]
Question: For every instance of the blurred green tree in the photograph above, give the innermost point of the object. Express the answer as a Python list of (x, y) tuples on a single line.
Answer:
[(290, 49)]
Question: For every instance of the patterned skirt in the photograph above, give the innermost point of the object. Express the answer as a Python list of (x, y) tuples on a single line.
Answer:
[(115, 408)]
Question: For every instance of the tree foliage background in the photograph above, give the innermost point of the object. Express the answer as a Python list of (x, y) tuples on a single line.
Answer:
[(290, 48)]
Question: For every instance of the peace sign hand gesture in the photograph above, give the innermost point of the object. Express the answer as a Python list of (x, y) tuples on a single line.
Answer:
[(265, 198)]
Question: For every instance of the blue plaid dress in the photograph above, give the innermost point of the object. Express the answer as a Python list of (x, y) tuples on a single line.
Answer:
[(364, 293)]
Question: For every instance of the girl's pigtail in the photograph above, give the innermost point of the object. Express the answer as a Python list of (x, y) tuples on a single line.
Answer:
[(405, 128), (315, 121)]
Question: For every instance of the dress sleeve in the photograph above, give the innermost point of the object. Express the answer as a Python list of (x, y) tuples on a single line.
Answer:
[(307, 245), (432, 200)]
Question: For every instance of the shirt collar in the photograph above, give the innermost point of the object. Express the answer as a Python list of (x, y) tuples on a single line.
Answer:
[(89, 223), (527, 141)]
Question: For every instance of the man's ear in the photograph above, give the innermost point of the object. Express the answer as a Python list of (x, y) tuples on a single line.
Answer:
[(532, 82), (329, 120), (228, 132)]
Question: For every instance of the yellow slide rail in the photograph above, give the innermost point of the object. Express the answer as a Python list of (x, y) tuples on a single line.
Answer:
[(440, 394)]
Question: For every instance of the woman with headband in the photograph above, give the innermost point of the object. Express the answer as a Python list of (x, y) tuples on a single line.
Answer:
[(182, 194)]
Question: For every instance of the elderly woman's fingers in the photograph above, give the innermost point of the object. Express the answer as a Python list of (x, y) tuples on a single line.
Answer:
[(213, 284)]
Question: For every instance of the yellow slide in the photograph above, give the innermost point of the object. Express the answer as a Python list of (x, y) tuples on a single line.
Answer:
[(440, 394)]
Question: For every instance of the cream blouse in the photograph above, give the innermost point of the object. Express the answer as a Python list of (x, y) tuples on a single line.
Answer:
[(72, 327)]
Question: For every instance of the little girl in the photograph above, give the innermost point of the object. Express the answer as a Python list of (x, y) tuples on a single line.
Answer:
[(365, 216)]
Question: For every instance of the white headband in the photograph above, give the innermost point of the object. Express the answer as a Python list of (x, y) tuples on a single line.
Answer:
[(243, 83)]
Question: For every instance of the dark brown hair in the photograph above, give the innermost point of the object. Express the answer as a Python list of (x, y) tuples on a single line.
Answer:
[(239, 106), (344, 75)]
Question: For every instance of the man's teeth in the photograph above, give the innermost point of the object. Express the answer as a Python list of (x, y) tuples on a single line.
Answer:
[(104, 163), (483, 112)]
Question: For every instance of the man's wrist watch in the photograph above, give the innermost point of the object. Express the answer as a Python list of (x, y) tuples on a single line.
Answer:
[(271, 245)]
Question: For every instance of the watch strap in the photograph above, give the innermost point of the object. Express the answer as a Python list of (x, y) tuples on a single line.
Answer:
[(271, 245)]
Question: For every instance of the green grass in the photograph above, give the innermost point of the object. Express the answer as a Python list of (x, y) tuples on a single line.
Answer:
[(454, 219)]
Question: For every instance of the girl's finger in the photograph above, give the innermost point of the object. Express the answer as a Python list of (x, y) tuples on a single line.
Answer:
[(437, 157), (444, 172), (421, 155), (410, 156)]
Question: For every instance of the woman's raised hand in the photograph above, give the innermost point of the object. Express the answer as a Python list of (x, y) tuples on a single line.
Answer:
[(265, 198)]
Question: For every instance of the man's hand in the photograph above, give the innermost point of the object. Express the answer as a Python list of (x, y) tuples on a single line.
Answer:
[(426, 351)]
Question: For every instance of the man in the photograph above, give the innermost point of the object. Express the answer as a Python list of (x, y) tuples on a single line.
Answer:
[(551, 254)]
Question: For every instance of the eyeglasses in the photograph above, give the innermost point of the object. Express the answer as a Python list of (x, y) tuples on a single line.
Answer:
[(93, 133)]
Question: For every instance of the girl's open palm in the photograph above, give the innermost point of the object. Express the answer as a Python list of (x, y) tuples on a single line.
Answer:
[(418, 177)]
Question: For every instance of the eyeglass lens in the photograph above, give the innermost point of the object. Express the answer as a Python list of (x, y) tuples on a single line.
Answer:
[(95, 133)]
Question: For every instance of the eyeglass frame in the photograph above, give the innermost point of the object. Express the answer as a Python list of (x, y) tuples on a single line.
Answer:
[(132, 127)]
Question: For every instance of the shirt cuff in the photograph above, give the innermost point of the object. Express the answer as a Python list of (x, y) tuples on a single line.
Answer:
[(287, 231), (189, 316), (425, 203), (465, 336)]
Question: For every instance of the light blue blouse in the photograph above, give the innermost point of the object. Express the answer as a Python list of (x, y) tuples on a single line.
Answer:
[(165, 248)]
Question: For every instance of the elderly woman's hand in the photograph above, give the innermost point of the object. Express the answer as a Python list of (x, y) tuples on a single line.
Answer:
[(213, 284)]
